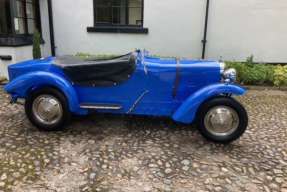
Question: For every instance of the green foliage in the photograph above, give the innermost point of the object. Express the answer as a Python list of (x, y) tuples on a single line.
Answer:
[(83, 55), (250, 61), (250, 73), (280, 76), (36, 45), (87, 56), (240, 68), (258, 74)]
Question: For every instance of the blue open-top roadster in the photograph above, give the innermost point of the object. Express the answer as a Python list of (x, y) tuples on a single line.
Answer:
[(186, 90)]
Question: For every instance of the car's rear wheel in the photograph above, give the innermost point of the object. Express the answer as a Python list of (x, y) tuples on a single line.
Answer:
[(222, 120), (47, 109)]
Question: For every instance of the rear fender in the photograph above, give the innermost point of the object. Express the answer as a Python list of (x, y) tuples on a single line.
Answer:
[(23, 85), (186, 113)]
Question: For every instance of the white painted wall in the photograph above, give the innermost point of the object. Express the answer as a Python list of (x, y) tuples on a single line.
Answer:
[(240, 28), (4, 64), (18, 54), (237, 29), (175, 28)]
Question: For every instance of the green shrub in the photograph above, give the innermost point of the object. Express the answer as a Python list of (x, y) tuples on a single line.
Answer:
[(258, 74), (280, 76), (250, 61), (36, 45), (240, 68), (249, 73), (269, 70)]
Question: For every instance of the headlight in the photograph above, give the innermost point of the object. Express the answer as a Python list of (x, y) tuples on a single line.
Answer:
[(229, 75)]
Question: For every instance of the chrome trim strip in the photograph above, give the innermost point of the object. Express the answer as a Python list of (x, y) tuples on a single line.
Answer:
[(137, 101), (104, 107)]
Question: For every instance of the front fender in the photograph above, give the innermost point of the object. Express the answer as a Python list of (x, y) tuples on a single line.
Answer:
[(22, 85), (187, 111)]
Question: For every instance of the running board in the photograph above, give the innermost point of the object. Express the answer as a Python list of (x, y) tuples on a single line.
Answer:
[(100, 106)]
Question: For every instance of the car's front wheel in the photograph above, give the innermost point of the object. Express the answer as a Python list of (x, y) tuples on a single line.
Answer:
[(222, 120), (47, 109)]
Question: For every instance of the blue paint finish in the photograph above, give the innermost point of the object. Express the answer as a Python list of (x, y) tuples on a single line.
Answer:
[(21, 68), (155, 77), (195, 74), (124, 94), (21, 86), (187, 111)]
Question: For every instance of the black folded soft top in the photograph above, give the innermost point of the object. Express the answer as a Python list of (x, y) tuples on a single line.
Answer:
[(101, 72)]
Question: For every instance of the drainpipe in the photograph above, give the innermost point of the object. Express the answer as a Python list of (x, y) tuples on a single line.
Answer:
[(204, 41), (51, 26)]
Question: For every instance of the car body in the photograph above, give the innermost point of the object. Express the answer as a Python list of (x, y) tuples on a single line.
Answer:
[(135, 84)]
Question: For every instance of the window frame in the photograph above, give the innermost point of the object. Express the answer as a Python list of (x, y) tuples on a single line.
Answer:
[(14, 39), (118, 28), (8, 20), (37, 17)]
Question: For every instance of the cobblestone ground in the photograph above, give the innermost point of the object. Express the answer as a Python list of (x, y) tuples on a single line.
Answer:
[(108, 153)]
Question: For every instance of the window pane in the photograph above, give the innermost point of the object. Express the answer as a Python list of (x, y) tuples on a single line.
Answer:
[(19, 12), (118, 12), (103, 3), (5, 17), (135, 3), (135, 16), (135, 12), (103, 15), (116, 15), (30, 10), (26, 17), (36, 15), (19, 25), (119, 2), (31, 26), (111, 11)]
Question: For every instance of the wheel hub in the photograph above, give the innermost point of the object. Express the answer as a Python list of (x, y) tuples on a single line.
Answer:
[(47, 109), (221, 121)]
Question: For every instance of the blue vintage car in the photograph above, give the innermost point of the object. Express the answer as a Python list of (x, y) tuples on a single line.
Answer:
[(185, 90)]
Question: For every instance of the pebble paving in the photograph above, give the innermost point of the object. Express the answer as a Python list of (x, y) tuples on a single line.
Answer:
[(116, 153)]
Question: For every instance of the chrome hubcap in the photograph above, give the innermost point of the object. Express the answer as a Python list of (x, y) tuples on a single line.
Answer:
[(221, 120), (47, 109)]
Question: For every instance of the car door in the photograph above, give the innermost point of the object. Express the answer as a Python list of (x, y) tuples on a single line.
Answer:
[(158, 99), (124, 95)]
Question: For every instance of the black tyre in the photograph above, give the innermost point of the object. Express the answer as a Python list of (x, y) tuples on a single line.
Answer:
[(222, 119), (47, 109)]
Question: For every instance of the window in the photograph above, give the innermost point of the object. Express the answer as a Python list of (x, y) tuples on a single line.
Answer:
[(18, 21), (26, 17), (118, 16), (5, 17)]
